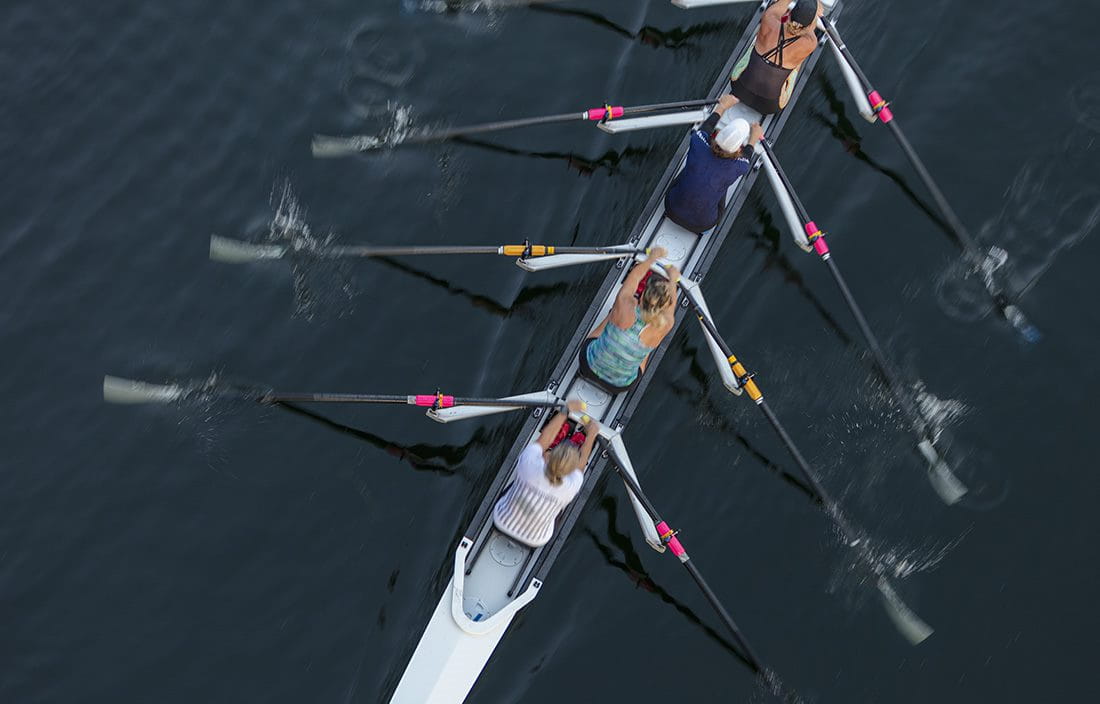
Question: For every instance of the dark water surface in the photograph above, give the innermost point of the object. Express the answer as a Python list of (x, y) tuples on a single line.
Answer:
[(221, 552)]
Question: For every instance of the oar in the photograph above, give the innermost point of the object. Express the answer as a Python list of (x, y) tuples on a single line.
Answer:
[(908, 623), (224, 249), (669, 539), (326, 146), (442, 407), (881, 108), (946, 484)]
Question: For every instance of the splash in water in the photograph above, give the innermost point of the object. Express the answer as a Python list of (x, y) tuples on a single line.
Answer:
[(1051, 205), (938, 413), (323, 288)]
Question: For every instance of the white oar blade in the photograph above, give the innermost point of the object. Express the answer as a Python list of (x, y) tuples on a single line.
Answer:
[(223, 249), (618, 450), (695, 295), (786, 205), (128, 391), (326, 147), (633, 124), (449, 415), (946, 484), (556, 261), (905, 619)]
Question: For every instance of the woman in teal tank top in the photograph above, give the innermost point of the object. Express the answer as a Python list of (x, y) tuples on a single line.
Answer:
[(617, 349)]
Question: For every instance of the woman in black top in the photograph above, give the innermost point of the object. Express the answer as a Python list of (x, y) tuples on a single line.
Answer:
[(783, 41)]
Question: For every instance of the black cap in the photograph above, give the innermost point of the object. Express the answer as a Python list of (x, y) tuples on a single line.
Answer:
[(804, 12)]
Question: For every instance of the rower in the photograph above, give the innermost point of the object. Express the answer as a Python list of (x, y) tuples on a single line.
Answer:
[(784, 40), (615, 353), (547, 478), (715, 161)]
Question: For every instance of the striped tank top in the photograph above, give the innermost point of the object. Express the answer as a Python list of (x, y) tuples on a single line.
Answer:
[(528, 509), (616, 354)]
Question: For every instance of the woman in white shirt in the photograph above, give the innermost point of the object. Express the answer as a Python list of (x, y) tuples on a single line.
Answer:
[(545, 482)]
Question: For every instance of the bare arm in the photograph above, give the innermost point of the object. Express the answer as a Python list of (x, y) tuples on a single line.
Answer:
[(591, 430), (550, 430), (630, 284), (622, 313), (776, 10)]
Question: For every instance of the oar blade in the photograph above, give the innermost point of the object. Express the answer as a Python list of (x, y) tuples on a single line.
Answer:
[(633, 124), (1020, 322), (329, 147), (943, 480), (129, 391), (230, 251), (449, 415), (905, 619), (620, 457)]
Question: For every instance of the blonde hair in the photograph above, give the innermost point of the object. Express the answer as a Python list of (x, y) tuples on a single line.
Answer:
[(657, 296), (562, 461)]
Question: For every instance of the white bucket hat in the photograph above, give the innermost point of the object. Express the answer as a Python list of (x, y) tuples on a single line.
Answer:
[(733, 136)]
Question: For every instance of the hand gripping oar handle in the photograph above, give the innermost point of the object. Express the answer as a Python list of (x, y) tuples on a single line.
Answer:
[(881, 108), (947, 485), (672, 542)]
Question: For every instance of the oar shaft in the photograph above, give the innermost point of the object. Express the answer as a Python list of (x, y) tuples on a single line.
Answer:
[(508, 250), (884, 365), (424, 400), (886, 369), (607, 112), (669, 538), (1002, 299), (970, 246), (335, 146), (498, 126), (371, 251), (881, 108)]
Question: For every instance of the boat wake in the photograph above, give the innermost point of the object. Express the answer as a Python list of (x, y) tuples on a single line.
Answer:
[(1051, 205), (380, 65)]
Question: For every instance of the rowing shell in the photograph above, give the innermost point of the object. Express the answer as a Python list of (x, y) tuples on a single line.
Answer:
[(494, 576)]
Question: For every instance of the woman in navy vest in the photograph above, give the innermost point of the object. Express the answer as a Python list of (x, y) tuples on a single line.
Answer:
[(715, 161)]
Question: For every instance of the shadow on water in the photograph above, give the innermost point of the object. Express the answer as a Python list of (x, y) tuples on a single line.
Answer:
[(845, 132), (650, 36), (631, 565), (769, 241), (711, 417), (422, 458), (527, 295), (676, 38), (609, 160)]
